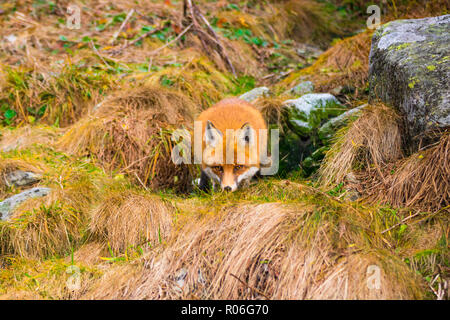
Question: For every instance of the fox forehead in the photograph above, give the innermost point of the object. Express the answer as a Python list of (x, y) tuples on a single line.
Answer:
[(233, 113), (230, 156)]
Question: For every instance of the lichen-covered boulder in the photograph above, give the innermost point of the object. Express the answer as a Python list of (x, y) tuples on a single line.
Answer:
[(410, 70), (255, 94), (7, 206), (307, 113)]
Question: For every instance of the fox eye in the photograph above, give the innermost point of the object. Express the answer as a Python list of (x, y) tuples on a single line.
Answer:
[(237, 168), (217, 168)]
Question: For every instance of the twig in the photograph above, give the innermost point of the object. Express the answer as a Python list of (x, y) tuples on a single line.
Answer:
[(401, 222), (278, 75), (172, 41), (211, 36), (98, 54), (221, 48), (149, 33), (144, 17), (150, 63), (254, 289), (414, 215), (130, 13), (140, 181)]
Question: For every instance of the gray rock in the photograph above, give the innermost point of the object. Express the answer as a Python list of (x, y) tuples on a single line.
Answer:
[(7, 206), (201, 279), (302, 88), (410, 70), (307, 51), (352, 195), (255, 94), (180, 278), (21, 178), (306, 113), (337, 91)]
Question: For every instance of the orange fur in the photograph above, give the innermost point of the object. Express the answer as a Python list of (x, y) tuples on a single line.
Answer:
[(233, 113)]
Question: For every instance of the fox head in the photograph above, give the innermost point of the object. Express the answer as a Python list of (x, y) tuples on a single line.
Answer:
[(230, 158)]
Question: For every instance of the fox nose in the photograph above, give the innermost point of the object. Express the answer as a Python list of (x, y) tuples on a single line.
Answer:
[(228, 189)]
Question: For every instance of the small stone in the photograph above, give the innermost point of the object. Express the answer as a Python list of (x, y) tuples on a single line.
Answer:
[(180, 278), (255, 94), (8, 205), (337, 91), (352, 195), (302, 88), (11, 38), (351, 178), (19, 178), (307, 51)]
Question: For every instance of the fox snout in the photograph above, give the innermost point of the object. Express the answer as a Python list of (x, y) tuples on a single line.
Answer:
[(230, 177)]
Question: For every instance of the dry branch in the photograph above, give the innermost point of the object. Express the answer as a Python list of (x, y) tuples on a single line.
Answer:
[(149, 33), (208, 37)]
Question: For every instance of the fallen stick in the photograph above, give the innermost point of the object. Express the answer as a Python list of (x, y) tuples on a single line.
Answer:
[(216, 40), (149, 33), (116, 34), (98, 54), (172, 41), (415, 215), (251, 288), (211, 38), (400, 223)]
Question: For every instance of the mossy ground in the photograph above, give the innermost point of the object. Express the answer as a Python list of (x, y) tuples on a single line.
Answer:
[(106, 228)]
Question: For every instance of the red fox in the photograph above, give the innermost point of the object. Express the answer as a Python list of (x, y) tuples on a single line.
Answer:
[(234, 134)]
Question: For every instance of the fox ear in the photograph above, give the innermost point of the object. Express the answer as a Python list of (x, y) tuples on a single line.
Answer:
[(247, 135), (212, 135)]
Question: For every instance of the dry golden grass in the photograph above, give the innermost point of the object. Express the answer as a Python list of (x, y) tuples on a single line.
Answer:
[(128, 219), (420, 181), (198, 79), (130, 132), (277, 251), (374, 139), (275, 239), (28, 279), (88, 254), (52, 225), (114, 282), (9, 165), (58, 96), (345, 63), (271, 109), (25, 137), (302, 20), (414, 9)]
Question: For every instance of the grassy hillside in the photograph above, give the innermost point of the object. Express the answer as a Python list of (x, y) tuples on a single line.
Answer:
[(92, 110)]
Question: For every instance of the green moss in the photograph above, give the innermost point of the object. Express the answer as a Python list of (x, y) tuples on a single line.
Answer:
[(402, 46), (413, 82)]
